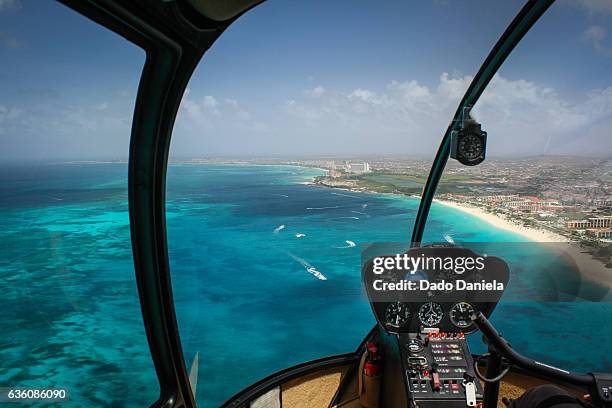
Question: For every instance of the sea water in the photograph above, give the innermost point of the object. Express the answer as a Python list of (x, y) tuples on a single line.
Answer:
[(265, 271)]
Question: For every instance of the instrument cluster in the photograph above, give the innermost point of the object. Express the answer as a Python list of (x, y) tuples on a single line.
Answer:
[(401, 316), (434, 298)]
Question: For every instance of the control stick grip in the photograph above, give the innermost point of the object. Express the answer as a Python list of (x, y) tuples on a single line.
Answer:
[(502, 347)]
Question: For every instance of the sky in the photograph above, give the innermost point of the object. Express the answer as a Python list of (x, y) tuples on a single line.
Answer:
[(315, 78)]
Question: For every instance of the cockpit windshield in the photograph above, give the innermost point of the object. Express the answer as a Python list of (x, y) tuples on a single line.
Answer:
[(304, 139), (294, 149), (69, 310), (542, 197)]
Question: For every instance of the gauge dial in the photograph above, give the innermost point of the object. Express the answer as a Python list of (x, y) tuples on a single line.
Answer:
[(460, 314), (471, 147), (414, 345), (430, 314), (397, 314)]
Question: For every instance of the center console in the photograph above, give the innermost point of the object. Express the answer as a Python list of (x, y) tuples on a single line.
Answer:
[(423, 314), (439, 370)]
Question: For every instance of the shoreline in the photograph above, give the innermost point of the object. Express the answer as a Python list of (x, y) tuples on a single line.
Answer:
[(590, 269), (532, 234)]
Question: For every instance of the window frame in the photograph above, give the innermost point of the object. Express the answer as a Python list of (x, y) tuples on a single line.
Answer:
[(514, 33), (175, 37)]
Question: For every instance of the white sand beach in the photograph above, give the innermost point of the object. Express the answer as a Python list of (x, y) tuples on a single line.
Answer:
[(590, 268), (533, 234)]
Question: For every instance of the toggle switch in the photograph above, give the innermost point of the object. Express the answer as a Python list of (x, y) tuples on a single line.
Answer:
[(435, 381)]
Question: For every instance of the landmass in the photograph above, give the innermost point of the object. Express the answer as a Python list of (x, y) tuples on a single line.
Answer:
[(542, 198)]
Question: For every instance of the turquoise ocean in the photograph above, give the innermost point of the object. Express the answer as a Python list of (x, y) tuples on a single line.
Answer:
[(249, 247)]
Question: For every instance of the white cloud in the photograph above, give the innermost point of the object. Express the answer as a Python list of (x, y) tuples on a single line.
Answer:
[(205, 124), (452, 89), (315, 92), (240, 113), (201, 107), (401, 117), (524, 117), (410, 117), (596, 35), (49, 128), (365, 96), (411, 90), (596, 6), (9, 113), (210, 102), (232, 102)]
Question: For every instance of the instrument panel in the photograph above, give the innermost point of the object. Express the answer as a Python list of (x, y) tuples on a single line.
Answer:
[(439, 370), (414, 317), (406, 310)]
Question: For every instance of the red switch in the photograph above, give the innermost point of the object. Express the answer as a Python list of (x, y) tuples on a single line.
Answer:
[(435, 379)]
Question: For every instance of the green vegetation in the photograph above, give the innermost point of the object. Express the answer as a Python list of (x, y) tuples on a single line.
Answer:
[(386, 182), (400, 180), (382, 187)]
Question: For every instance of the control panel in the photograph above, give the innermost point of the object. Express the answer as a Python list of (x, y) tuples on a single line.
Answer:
[(603, 388), (439, 368)]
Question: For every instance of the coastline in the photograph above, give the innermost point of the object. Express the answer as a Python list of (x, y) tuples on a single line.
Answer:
[(532, 234), (591, 269)]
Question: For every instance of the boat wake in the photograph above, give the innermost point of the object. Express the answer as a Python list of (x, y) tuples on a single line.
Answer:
[(349, 244), (279, 229), (322, 208), (360, 213), (345, 218), (345, 195), (308, 267)]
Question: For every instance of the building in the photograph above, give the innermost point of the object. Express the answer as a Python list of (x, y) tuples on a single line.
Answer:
[(335, 173), (532, 204), (357, 168), (493, 199), (601, 233), (591, 223)]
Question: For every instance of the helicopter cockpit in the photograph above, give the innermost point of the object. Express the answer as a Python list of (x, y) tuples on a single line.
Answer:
[(268, 279), (426, 328)]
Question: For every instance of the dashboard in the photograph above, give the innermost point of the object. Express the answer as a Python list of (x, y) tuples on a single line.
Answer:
[(411, 317), (437, 304), (425, 313)]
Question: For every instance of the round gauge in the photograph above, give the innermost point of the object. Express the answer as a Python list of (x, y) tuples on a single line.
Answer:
[(430, 314), (460, 314), (414, 345), (471, 146), (397, 314)]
